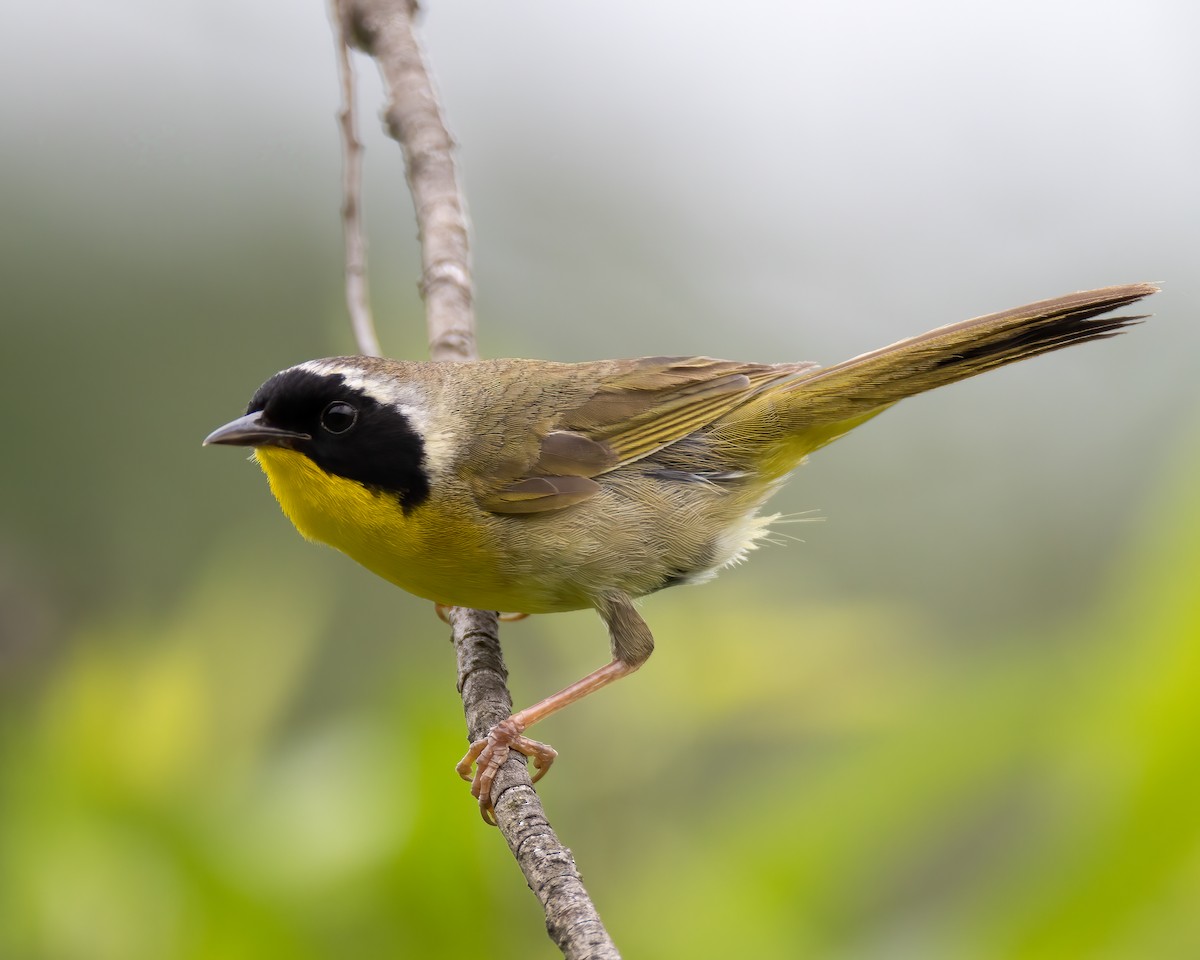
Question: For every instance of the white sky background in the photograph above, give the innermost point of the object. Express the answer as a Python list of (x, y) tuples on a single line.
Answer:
[(722, 165), (763, 180), (1016, 149)]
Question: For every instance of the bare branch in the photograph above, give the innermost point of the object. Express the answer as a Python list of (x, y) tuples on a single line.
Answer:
[(358, 300), (384, 30), (571, 918)]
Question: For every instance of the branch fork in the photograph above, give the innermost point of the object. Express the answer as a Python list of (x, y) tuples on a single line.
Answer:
[(383, 29)]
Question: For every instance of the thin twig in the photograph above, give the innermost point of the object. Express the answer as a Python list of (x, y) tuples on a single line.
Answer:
[(413, 117), (384, 30), (358, 300)]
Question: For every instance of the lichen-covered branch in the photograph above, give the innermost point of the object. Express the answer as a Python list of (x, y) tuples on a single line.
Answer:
[(384, 30), (571, 917)]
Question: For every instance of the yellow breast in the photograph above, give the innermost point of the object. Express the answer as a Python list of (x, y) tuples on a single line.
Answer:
[(435, 551)]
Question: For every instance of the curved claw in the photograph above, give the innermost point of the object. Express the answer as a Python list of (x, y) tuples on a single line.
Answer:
[(488, 755), (443, 612)]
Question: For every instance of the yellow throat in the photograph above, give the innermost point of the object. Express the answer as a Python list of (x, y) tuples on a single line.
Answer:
[(409, 550)]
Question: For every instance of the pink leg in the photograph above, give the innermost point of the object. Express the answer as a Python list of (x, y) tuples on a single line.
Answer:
[(489, 754)]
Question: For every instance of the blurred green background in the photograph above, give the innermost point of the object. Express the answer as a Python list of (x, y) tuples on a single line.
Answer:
[(959, 719)]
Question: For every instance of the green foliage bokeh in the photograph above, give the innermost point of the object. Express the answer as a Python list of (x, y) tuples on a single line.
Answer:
[(961, 720), (832, 797)]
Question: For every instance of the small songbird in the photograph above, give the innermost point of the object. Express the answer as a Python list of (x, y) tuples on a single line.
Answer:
[(531, 486)]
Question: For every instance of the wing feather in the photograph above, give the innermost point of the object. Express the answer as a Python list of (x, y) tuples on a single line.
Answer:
[(635, 410)]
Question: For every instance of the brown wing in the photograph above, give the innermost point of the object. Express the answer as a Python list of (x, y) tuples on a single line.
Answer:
[(636, 408)]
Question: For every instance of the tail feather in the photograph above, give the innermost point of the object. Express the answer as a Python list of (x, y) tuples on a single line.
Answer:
[(833, 400)]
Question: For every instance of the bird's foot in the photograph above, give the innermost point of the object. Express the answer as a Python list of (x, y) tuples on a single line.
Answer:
[(443, 612), (489, 754)]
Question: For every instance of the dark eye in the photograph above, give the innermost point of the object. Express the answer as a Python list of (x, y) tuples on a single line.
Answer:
[(338, 417)]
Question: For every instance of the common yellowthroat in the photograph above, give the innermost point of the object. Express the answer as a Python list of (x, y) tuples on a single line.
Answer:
[(536, 487)]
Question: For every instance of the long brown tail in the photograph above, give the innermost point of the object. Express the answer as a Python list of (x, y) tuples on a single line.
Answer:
[(832, 400)]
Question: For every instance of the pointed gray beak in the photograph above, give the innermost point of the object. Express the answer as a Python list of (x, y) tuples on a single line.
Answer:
[(250, 431)]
